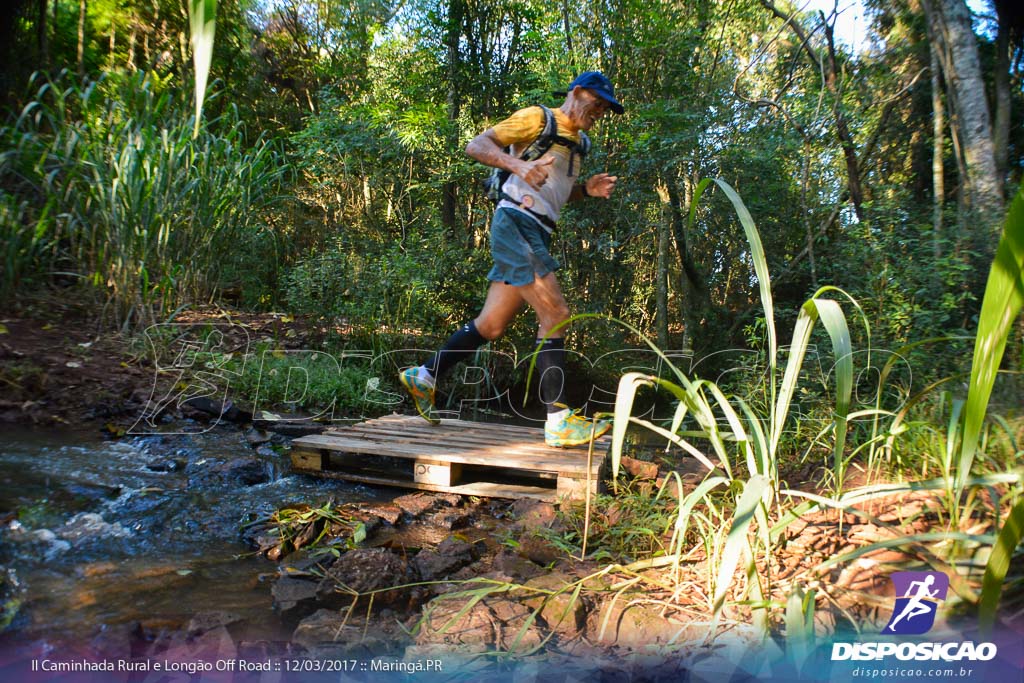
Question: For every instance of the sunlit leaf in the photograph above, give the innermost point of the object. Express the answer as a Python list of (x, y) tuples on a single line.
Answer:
[(1009, 538), (736, 540), (202, 15), (1004, 296)]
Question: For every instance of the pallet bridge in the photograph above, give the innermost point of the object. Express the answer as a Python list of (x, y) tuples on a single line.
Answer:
[(457, 456)]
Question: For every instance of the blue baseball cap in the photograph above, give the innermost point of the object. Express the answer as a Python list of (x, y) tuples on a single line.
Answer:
[(599, 83)]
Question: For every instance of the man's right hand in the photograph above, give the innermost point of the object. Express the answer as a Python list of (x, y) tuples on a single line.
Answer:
[(535, 173)]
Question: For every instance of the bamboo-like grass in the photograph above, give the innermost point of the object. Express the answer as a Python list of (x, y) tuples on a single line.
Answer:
[(744, 439), (137, 205)]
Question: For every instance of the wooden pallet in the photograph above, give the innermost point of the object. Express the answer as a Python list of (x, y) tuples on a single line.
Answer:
[(457, 456)]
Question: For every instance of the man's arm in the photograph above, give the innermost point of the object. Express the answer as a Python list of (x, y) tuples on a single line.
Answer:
[(600, 185), (485, 149)]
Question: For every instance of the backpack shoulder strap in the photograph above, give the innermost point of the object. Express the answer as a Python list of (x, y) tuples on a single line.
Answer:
[(550, 125), (547, 136)]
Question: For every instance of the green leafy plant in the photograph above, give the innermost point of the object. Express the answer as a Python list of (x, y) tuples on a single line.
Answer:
[(735, 432), (141, 210), (313, 382), (308, 526)]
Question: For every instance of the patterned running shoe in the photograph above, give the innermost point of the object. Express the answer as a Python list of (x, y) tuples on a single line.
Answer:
[(422, 394), (574, 430)]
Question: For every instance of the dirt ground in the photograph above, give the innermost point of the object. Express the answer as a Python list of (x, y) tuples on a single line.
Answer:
[(62, 370), (65, 369)]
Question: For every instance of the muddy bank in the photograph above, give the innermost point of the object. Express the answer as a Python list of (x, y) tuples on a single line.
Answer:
[(141, 569), (377, 575), (68, 369)]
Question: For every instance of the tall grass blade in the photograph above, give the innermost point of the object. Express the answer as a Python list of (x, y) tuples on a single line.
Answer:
[(629, 384), (1004, 296), (756, 254), (799, 626), (677, 418), (202, 18), (737, 540), (998, 563), (834, 320)]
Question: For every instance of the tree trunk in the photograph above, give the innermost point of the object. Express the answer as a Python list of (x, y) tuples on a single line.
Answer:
[(131, 46), (853, 181), (449, 193), (661, 274), (938, 152), (54, 26), (963, 200), (1001, 124), (41, 37), (568, 34), (696, 299), (83, 7), (961, 68)]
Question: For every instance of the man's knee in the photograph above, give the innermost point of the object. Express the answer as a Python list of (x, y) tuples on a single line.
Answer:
[(554, 316), (560, 313), (489, 329)]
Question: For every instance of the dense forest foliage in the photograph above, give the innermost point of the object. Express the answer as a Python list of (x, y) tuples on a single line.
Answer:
[(325, 179), (328, 175)]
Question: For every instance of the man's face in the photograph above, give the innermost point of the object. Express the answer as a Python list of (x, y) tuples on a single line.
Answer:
[(592, 108)]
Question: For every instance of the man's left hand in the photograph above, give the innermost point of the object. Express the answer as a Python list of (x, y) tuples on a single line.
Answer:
[(601, 185)]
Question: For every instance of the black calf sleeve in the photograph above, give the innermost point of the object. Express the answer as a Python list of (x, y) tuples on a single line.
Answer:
[(551, 371), (459, 347)]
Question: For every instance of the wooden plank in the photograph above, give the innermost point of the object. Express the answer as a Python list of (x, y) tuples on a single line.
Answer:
[(435, 472), (486, 430), (412, 421), (307, 459), (437, 450), (460, 424), (449, 439), (490, 432), (485, 489), (534, 443)]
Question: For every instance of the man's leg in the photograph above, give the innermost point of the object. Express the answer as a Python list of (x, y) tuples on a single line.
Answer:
[(562, 427), (502, 304), (545, 297)]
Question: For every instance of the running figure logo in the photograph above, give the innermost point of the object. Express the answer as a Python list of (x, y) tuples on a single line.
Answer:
[(917, 600)]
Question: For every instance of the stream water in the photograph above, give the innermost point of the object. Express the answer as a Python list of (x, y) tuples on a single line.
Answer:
[(97, 535)]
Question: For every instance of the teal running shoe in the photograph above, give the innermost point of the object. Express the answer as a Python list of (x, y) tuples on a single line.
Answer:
[(574, 430), (422, 394)]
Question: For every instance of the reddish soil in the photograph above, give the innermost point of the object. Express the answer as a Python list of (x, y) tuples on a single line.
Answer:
[(61, 371), (66, 369)]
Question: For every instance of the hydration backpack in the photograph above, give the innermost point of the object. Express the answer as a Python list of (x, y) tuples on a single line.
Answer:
[(547, 138)]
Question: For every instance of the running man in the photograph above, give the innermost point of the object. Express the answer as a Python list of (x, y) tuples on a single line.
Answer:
[(524, 271)]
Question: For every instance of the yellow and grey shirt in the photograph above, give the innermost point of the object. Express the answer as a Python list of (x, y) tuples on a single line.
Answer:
[(519, 130)]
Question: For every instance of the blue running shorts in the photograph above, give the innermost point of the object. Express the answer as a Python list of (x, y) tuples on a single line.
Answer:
[(520, 248)]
